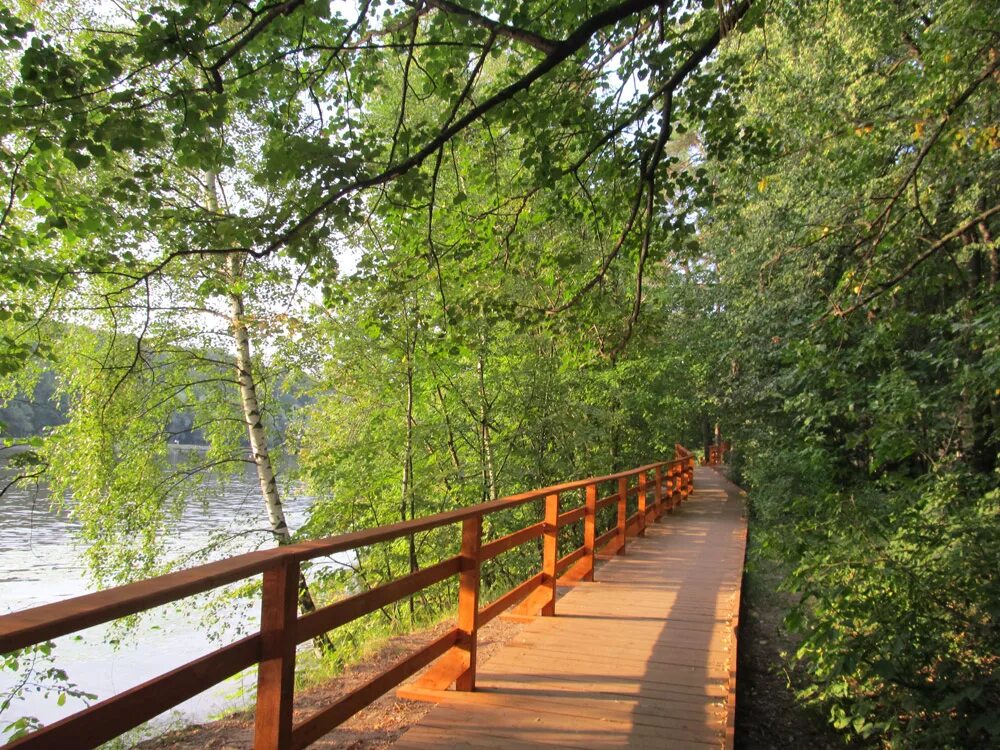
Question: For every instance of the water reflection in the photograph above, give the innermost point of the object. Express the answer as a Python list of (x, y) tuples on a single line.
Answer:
[(41, 562)]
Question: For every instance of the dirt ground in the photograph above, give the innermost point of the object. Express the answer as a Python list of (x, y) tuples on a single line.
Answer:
[(767, 715), (377, 726)]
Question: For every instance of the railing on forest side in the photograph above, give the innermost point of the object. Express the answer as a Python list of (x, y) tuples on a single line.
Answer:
[(282, 629), (717, 453)]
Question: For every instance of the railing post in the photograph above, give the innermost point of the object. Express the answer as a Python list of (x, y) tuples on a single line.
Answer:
[(590, 530), (468, 600), (622, 512), (550, 552), (673, 486), (642, 504), (276, 674), (658, 493)]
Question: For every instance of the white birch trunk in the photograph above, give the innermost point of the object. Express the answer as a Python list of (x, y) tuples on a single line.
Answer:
[(250, 406)]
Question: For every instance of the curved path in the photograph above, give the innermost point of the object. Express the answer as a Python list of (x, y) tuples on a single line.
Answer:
[(643, 657)]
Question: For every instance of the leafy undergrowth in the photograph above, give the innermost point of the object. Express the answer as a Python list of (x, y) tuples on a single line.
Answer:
[(768, 716)]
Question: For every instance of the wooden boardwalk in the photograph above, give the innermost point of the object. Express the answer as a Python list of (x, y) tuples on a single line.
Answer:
[(643, 657)]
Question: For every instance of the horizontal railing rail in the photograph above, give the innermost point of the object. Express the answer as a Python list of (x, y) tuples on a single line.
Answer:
[(666, 483)]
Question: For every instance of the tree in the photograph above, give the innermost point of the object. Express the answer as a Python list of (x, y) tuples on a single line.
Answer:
[(854, 236)]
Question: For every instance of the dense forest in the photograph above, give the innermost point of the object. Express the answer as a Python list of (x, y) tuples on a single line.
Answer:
[(446, 250)]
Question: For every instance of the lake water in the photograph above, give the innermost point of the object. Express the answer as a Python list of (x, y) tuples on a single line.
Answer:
[(41, 562)]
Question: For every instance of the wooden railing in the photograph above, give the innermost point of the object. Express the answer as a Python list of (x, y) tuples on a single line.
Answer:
[(282, 629), (716, 454)]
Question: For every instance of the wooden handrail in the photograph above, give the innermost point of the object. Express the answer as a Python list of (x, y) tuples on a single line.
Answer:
[(282, 628)]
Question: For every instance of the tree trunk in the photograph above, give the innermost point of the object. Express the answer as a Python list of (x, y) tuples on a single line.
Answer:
[(407, 502), (452, 450), (486, 440), (255, 426)]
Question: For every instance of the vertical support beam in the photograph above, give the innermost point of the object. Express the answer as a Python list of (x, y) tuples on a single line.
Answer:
[(276, 675), (622, 513), (550, 552), (675, 487), (590, 530), (658, 493), (468, 601), (643, 489)]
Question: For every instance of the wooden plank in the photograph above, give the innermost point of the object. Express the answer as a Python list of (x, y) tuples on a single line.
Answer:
[(106, 720), (428, 738), (622, 526), (326, 719), (567, 560), (504, 543), (353, 607), (643, 495), (438, 678), (605, 502), (606, 537), (276, 674), (713, 658), (638, 710), (550, 547), (48, 621), (589, 531), (468, 601), (657, 632), (572, 516), (532, 680), (557, 727), (658, 492), (432, 738), (509, 599)]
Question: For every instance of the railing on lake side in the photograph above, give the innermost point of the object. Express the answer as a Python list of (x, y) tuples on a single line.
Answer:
[(282, 628)]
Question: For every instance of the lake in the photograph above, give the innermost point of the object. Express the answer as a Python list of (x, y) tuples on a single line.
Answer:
[(41, 562)]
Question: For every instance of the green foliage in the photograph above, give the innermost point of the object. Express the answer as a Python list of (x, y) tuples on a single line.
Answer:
[(36, 673), (560, 271), (860, 303)]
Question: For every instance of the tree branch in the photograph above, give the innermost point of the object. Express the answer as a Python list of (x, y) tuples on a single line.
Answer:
[(539, 42), (912, 266)]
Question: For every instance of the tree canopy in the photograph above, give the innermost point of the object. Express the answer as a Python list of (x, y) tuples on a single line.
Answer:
[(502, 243)]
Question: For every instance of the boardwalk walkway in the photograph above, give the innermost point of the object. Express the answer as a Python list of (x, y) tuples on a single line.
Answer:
[(644, 657)]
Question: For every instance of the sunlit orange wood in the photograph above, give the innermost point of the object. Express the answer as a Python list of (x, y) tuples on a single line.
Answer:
[(643, 659), (642, 504), (622, 512), (658, 492), (504, 543), (332, 716), (106, 720), (572, 516), (468, 601), (274, 646), (550, 549), (590, 530), (276, 674), (353, 607), (509, 599)]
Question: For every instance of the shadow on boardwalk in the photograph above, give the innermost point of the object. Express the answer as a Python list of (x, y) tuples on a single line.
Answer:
[(641, 658)]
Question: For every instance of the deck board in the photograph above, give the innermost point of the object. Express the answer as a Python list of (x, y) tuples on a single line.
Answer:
[(643, 657)]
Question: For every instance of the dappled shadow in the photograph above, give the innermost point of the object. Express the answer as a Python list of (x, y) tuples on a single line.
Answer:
[(639, 658)]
